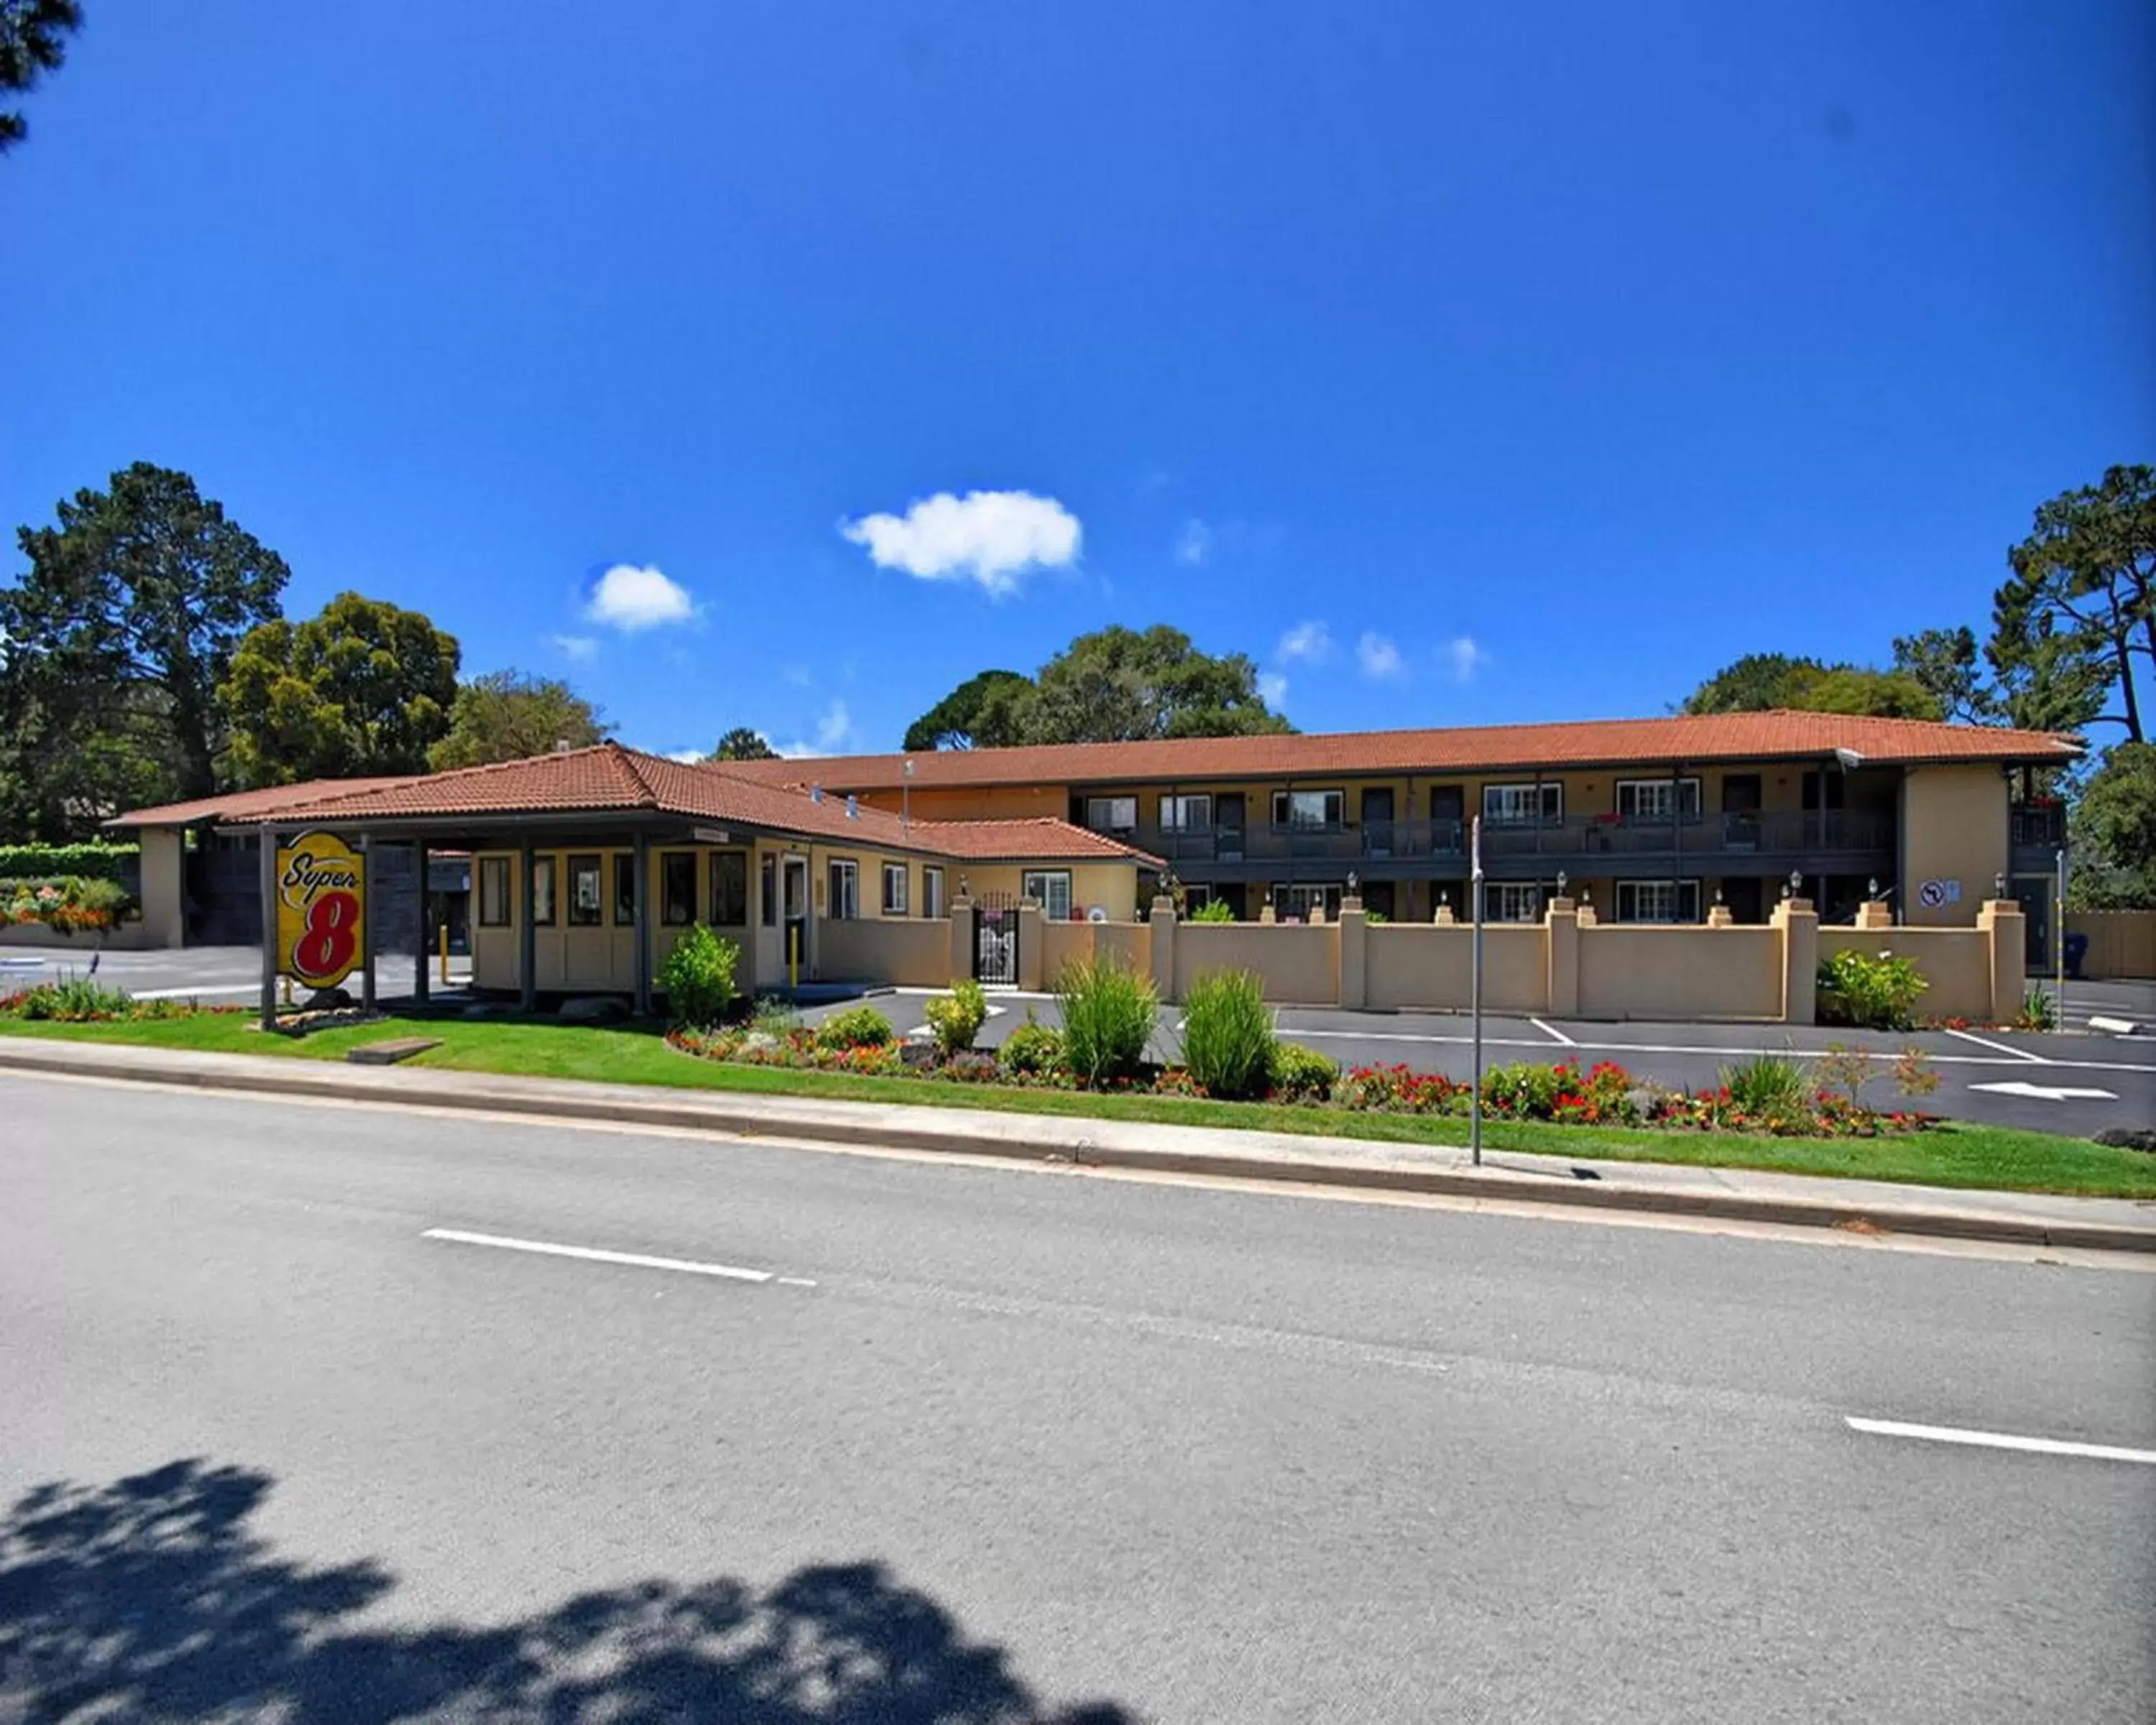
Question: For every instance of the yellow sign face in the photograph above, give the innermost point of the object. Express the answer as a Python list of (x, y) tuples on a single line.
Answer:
[(321, 909)]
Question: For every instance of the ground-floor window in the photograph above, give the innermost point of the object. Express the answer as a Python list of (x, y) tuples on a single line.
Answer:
[(587, 892), (932, 892), (894, 889), (1050, 888), (542, 891), (677, 888), (1295, 903), (1658, 901), (767, 892), (624, 889), (494, 892), (1514, 901), (843, 902), (730, 888)]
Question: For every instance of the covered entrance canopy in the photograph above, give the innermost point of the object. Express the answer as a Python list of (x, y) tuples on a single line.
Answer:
[(589, 864)]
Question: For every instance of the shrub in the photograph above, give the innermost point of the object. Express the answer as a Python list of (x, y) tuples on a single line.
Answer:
[(1846, 1070), (75, 1000), (1914, 1075), (1772, 1090), (1227, 1035), (1108, 1015), (1877, 992), (2037, 1011), (1296, 1074), (1214, 910), (698, 977), (856, 1027), (775, 1015), (1525, 1091), (1034, 1048), (64, 903), (1396, 1090), (96, 862), (957, 1017)]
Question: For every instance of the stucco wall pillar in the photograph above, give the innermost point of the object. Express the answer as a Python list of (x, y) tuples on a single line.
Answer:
[(1353, 937), (1799, 925), (1162, 922), (2001, 919), (961, 938), (1561, 958), (1031, 959), (163, 883), (1875, 913)]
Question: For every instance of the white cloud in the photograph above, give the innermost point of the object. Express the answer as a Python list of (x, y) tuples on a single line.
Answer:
[(1467, 657), (994, 538), (832, 730), (1311, 640), (797, 674), (1272, 689), (1377, 656), (630, 598), (576, 646), (687, 758), (1195, 543)]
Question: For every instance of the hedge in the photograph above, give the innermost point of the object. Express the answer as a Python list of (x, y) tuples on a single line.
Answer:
[(46, 862)]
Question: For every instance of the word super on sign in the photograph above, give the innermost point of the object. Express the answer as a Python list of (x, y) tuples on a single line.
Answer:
[(321, 909)]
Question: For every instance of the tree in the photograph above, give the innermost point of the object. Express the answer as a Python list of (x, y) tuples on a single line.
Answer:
[(970, 717), (2075, 624), (1945, 662), (1760, 681), (2114, 832), (742, 744), (32, 41), (125, 624), (1118, 686), (363, 688), (507, 716)]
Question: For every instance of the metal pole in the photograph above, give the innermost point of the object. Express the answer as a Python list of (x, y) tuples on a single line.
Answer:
[(2059, 943), (266, 838), (419, 945), (370, 900), (1475, 997)]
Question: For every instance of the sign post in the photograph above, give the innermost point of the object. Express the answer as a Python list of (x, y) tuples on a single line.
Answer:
[(2058, 944), (320, 895), (1475, 991)]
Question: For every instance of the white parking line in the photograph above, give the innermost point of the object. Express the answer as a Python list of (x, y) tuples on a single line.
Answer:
[(2000, 1440), (593, 1254), (1555, 1035), (2000, 1047)]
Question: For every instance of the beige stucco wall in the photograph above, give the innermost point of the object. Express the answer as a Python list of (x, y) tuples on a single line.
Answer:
[(1431, 966), (1955, 962), (2122, 943), (164, 882), (1301, 966), (1954, 829), (1636, 972), (913, 952), (1112, 886)]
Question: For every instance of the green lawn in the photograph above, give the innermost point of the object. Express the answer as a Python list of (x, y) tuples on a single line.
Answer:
[(1954, 1154)]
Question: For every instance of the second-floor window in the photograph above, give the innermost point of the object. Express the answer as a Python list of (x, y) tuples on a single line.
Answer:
[(1657, 799), (1185, 815), (1523, 805), (1309, 810), (1112, 815)]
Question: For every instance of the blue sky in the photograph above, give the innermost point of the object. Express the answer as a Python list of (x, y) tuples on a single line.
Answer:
[(1458, 362)]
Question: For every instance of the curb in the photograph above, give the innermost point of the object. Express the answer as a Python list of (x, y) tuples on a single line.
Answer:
[(414, 1087)]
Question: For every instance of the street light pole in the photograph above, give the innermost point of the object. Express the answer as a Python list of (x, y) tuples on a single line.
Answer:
[(1480, 895)]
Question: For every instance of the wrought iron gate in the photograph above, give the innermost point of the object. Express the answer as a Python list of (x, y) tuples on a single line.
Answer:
[(995, 940)]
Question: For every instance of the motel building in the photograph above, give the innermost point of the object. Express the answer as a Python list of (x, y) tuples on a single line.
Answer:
[(584, 866)]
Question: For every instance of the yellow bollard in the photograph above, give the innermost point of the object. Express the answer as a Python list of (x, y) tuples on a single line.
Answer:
[(794, 961), (445, 945)]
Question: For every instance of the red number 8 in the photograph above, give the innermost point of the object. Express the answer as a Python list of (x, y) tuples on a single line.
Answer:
[(332, 939)]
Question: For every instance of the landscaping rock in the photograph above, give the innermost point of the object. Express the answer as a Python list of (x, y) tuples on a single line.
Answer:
[(2128, 1137), (488, 1009), (592, 1009), (389, 1052), (328, 1000), (759, 1042)]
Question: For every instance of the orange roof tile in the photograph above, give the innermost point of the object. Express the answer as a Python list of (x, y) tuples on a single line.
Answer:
[(245, 805), (1686, 739)]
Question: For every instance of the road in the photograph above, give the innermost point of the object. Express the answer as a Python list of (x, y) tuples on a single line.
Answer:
[(282, 1439), (213, 973), (2008, 1078)]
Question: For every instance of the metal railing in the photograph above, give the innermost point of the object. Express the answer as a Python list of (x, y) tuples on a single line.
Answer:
[(2039, 825)]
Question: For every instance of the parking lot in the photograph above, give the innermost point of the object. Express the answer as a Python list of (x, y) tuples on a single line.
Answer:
[(2075, 1082)]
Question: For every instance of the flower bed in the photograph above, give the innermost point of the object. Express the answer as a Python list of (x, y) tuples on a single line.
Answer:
[(1767, 1097), (65, 904), (81, 1001)]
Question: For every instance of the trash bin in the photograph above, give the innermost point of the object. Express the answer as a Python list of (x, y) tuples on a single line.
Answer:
[(2076, 950)]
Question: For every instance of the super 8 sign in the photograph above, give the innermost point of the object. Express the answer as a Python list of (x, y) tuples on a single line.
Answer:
[(321, 909)]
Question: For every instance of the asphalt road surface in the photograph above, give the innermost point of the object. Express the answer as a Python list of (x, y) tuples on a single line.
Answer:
[(308, 1414), (212, 973), (2077, 1083)]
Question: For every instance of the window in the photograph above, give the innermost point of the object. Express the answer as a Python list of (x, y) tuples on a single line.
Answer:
[(494, 892), (542, 891), (1512, 900), (1185, 815), (586, 889), (1112, 815), (1051, 888), (624, 889), (1658, 901), (894, 889), (1309, 809), (1297, 902), (1657, 799), (730, 888), (845, 902), (766, 892), (1519, 805), (677, 888), (932, 892)]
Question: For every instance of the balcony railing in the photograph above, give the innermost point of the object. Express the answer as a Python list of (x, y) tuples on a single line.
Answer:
[(2039, 825), (1580, 839)]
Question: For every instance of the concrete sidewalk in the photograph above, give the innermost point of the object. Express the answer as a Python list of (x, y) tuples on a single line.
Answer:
[(1510, 1177)]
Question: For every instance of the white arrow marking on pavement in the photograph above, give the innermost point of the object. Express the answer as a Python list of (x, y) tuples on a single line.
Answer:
[(2047, 1092), (1999, 1440)]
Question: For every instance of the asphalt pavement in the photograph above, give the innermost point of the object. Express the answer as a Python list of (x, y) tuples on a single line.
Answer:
[(2072, 1082), (320, 1412), (211, 973)]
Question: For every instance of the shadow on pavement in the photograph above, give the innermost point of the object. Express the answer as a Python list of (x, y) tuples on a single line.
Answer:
[(151, 1599)]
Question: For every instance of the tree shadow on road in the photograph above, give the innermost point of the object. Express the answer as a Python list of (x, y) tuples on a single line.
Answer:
[(151, 1599)]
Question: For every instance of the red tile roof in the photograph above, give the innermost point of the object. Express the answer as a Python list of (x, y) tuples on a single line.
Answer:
[(1686, 739), (246, 805), (608, 776)]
